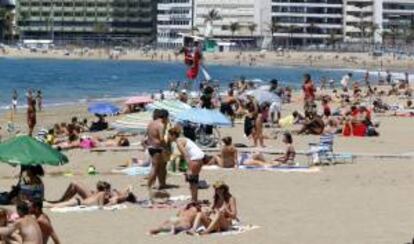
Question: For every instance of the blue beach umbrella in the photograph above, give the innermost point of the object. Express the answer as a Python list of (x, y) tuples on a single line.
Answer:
[(103, 109), (204, 117)]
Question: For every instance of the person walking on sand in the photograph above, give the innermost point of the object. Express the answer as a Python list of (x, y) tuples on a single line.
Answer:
[(308, 92), (157, 148), (29, 96), (39, 99), (14, 101), (31, 116)]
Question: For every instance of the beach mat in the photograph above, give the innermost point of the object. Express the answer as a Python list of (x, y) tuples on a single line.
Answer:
[(133, 171), (81, 209)]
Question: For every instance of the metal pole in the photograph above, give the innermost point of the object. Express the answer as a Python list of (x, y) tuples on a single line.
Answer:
[(192, 13)]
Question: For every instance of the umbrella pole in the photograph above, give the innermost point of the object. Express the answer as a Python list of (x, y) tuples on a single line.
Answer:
[(20, 176)]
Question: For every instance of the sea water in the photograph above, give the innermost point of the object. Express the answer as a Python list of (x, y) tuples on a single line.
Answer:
[(73, 81)]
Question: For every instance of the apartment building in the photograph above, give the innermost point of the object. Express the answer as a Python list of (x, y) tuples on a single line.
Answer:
[(87, 20), (173, 18), (302, 22)]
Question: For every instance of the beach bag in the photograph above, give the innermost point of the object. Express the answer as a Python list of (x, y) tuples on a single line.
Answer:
[(4, 198), (372, 132)]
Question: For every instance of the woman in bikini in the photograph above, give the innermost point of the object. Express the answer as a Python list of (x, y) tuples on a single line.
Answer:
[(193, 155), (222, 214), (76, 195), (183, 221), (290, 153)]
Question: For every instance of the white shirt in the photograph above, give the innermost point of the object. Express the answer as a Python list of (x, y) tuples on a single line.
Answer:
[(193, 151), (345, 80)]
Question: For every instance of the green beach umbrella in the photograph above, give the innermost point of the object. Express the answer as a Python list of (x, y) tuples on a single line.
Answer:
[(25, 150)]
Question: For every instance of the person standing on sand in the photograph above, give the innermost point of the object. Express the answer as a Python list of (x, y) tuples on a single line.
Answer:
[(14, 100), (157, 148), (29, 97), (39, 99), (193, 155), (26, 225), (346, 80), (308, 92), (44, 222), (31, 116)]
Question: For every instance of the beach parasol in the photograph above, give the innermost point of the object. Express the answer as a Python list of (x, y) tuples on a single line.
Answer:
[(136, 122), (174, 107), (138, 100), (204, 117), (103, 109), (263, 96), (25, 150)]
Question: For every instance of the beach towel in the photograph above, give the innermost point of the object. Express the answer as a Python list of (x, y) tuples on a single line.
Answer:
[(215, 167), (133, 171), (236, 229), (284, 169), (79, 209), (172, 202)]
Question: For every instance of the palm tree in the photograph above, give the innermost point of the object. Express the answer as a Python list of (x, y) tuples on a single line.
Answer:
[(332, 38), (210, 17), (273, 28), (6, 21), (372, 32), (291, 29), (312, 27), (394, 34), (252, 28), (100, 29), (194, 29), (234, 27)]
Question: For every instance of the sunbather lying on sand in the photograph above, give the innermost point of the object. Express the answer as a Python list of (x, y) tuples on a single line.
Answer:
[(76, 195), (182, 222)]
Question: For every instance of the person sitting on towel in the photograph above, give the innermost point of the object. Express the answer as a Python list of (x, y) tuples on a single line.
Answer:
[(290, 153), (227, 158)]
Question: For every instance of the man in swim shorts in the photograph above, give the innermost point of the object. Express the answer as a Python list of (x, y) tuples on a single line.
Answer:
[(157, 148)]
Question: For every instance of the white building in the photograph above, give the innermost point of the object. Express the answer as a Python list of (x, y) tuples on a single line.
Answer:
[(397, 14), (319, 21), (230, 11), (299, 22), (173, 17), (305, 22)]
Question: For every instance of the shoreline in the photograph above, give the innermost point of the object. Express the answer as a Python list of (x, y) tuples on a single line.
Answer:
[(289, 59)]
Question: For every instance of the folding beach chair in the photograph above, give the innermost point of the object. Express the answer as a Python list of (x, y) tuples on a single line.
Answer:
[(323, 152)]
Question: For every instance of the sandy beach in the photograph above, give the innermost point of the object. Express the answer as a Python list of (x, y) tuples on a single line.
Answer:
[(369, 201), (338, 60)]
